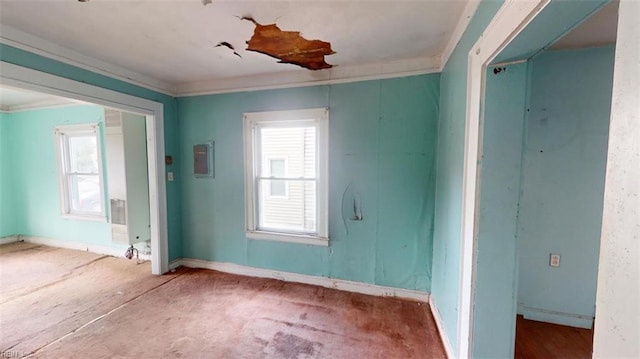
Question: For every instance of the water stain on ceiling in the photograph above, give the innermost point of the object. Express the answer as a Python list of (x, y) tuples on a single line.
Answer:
[(288, 46)]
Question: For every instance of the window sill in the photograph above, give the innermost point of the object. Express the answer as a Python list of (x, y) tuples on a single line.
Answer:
[(291, 238), (80, 217)]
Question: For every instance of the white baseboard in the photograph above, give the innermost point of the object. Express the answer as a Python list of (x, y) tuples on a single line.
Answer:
[(174, 264), (340, 284), (115, 251), (443, 334), (8, 239), (550, 316)]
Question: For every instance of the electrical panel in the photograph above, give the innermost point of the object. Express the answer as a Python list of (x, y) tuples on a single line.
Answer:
[(203, 161)]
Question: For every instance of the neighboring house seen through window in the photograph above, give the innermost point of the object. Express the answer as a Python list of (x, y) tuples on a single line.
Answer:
[(277, 169), (286, 175), (78, 151)]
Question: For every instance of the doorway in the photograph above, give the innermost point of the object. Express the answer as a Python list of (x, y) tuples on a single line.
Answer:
[(32, 80), (500, 67), (562, 189)]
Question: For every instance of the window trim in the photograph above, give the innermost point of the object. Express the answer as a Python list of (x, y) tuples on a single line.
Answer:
[(62, 157), (320, 116)]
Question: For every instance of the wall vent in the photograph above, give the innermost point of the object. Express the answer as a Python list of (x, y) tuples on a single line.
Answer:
[(118, 211), (112, 118)]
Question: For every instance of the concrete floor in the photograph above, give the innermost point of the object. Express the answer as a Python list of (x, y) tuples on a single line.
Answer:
[(58, 303)]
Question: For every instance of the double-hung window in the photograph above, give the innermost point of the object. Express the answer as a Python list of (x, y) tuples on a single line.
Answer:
[(78, 150), (277, 168), (286, 175)]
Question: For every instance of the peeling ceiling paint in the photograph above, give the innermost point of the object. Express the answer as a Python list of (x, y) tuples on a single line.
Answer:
[(230, 47), (175, 41), (288, 46)]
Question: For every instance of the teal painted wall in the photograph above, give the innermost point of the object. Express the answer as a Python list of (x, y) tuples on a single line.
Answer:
[(36, 205), (451, 132), (561, 209), (500, 188), (382, 138), (26, 59), (448, 207), (7, 209)]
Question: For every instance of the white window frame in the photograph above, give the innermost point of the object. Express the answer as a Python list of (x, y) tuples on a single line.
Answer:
[(286, 172), (320, 118), (62, 134)]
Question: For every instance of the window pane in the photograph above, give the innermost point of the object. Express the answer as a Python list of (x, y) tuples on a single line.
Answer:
[(83, 154), (278, 188), (277, 168), (295, 213), (85, 193), (296, 144)]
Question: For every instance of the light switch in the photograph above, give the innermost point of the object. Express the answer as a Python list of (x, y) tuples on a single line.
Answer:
[(554, 260), (170, 176)]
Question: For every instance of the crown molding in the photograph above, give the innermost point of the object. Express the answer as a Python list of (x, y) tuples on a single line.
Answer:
[(335, 75), (464, 20), (288, 79), (24, 41)]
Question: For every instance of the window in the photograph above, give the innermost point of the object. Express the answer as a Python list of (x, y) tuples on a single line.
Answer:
[(286, 175), (79, 156), (277, 169)]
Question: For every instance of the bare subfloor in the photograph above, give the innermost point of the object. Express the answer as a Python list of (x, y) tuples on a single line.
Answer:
[(58, 303)]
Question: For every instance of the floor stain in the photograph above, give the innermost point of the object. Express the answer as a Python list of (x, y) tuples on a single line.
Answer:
[(289, 346)]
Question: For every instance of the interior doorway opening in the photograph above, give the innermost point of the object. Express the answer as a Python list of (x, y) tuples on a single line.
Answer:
[(152, 116), (493, 172), (562, 188), (521, 168)]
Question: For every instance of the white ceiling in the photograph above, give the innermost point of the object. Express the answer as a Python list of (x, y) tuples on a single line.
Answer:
[(174, 41), (598, 30), (12, 100), (170, 46)]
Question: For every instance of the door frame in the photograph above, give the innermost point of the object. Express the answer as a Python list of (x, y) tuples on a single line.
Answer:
[(33, 80), (509, 21)]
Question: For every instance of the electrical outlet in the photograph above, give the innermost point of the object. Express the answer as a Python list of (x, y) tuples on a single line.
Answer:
[(554, 260), (170, 176)]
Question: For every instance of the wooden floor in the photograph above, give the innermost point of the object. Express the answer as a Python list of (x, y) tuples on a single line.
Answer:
[(545, 340), (58, 303)]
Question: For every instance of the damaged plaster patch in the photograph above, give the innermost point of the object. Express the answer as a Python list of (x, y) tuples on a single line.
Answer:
[(288, 46), (230, 47)]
